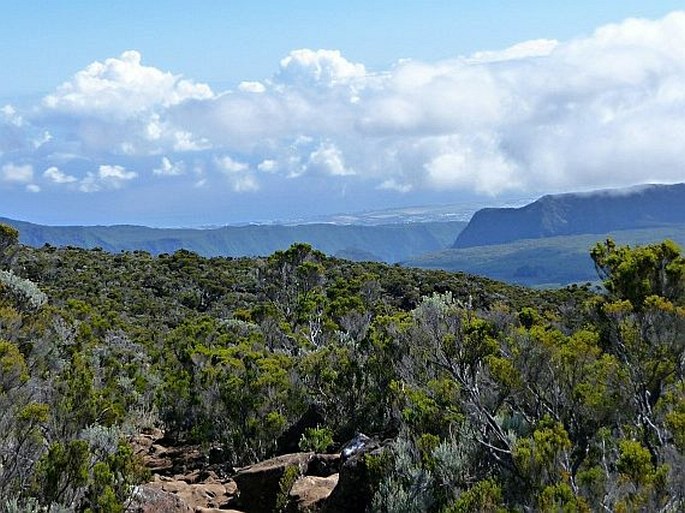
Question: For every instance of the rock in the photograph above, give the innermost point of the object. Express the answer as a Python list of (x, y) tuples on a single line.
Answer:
[(309, 493), (216, 510), (182, 476), (354, 446), (157, 464), (153, 432), (259, 485), (289, 441), (171, 461), (199, 476), (149, 499), (206, 495), (141, 444), (155, 457), (324, 465), (231, 488), (354, 490)]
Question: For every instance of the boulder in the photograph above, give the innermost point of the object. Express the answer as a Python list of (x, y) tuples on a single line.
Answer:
[(200, 476), (354, 446), (216, 510), (149, 499), (324, 465), (354, 490), (260, 486), (206, 495), (309, 493), (170, 461), (142, 443), (154, 456)]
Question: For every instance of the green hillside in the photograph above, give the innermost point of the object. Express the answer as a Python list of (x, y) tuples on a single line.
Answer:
[(476, 395), (387, 243), (551, 261)]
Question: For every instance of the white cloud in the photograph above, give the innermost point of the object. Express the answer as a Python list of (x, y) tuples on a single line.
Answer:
[(122, 106), (56, 176), (32, 187), (421, 99), (154, 128), (328, 159), (251, 87), (107, 177), (16, 173), (393, 185), (245, 183), (42, 139), (606, 109), (238, 174), (228, 165), (168, 168), (594, 111), (9, 115), (115, 173), (89, 183), (524, 50), (13, 130), (476, 163), (326, 67), (185, 141), (123, 87), (268, 166)]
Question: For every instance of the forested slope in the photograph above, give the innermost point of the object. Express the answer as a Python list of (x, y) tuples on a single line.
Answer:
[(543, 262), (387, 243), (489, 397)]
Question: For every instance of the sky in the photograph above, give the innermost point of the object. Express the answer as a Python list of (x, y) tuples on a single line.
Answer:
[(218, 112)]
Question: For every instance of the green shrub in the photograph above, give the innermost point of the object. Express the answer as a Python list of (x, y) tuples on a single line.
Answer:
[(317, 439)]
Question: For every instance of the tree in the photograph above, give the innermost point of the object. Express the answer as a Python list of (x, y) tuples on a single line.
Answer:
[(634, 274), (643, 326), (9, 238)]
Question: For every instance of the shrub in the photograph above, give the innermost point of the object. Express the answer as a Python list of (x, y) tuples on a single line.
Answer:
[(24, 293), (317, 439)]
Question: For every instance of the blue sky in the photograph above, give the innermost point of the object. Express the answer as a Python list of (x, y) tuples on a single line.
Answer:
[(211, 112)]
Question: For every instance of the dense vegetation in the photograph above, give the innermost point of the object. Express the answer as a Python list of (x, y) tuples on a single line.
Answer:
[(541, 262), (490, 397)]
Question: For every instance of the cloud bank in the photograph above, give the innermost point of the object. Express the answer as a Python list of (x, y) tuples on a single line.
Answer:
[(607, 109)]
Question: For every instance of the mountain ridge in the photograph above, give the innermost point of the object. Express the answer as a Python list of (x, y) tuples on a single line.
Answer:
[(389, 243), (594, 212)]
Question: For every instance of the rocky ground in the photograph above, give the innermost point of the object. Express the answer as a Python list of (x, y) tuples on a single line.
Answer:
[(185, 479)]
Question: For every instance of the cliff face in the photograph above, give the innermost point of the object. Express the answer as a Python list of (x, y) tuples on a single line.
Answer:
[(574, 214)]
